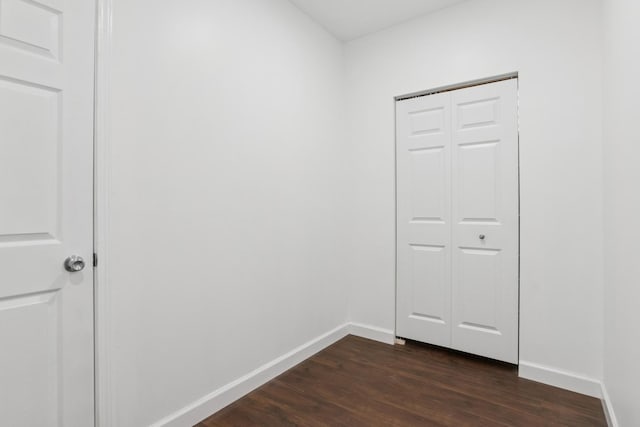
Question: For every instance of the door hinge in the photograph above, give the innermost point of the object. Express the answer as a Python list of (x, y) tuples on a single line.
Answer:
[(95, 259)]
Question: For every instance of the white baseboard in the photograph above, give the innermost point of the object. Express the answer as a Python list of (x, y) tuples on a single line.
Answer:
[(374, 333), (218, 399), (213, 402), (607, 407), (562, 379), (573, 382)]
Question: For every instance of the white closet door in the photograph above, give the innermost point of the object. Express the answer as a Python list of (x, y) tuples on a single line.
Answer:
[(485, 220), (457, 224), (46, 212), (424, 228)]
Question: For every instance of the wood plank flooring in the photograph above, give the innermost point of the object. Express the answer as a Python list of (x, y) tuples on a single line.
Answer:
[(357, 382)]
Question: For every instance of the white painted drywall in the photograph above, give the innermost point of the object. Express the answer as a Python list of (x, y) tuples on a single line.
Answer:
[(622, 204), (556, 46), (227, 194), (350, 19)]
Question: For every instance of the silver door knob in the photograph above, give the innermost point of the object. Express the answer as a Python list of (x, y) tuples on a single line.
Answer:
[(74, 263), (482, 236)]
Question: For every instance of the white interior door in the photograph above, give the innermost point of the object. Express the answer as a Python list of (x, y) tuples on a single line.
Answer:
[(479, 138), (46, 212), (424, 219), (485, 217)]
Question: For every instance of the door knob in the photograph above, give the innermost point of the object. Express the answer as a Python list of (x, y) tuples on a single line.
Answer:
[(74, 263), (482, 236)]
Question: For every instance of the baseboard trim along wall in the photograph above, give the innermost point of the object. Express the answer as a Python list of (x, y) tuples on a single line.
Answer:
[(562, 379), (612, 421), (374, 333), (218, 399), (213, 402)]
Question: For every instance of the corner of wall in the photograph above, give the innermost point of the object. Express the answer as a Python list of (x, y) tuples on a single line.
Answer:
[(607, 407), (559, 378), (227, 394), (386, 336)]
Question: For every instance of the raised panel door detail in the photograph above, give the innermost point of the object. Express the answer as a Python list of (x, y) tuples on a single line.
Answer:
[(479, 272), (478, 177), (30, 25), (426, 122), (428, 283), (30, 161), (29, 359), (428, 172), (478, 113)]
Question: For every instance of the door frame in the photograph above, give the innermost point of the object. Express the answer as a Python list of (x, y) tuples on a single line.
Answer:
[(103, 327), (433, 91)]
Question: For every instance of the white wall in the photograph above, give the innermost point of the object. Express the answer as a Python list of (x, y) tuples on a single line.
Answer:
[(622, 204), (241, 219), (556, 48), (228, 182)]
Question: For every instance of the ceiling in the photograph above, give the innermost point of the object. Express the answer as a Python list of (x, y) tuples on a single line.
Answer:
[(350, 19)]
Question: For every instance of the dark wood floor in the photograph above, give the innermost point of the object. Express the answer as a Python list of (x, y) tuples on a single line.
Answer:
[(357, 382)]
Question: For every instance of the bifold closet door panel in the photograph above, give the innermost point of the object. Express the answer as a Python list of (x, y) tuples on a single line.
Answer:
[(485, 220), (423, 158)]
